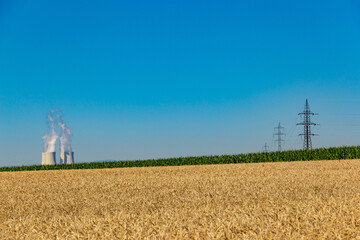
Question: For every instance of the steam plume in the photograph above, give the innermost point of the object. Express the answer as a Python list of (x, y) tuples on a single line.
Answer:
[(51, 136), (65, 141)]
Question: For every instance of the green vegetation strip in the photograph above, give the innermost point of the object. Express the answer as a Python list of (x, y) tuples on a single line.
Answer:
[(285, 156)]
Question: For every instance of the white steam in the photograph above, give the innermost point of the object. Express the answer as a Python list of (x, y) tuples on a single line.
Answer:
[(65, 141), (51, 136)]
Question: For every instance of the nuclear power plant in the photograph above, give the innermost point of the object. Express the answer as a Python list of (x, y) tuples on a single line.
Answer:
[(66, 157), (50, 139), (48, 158)]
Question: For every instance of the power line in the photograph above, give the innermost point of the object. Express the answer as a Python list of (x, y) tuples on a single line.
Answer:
[(307, 126), (341, 114), (340, 135), (279, 135), (293, 142), (342, 124)]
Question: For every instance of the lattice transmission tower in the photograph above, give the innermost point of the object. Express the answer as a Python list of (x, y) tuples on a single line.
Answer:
[(307, 123), (266, 148), (279, 134)]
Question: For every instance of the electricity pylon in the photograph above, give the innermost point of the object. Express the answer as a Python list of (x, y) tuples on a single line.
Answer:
[(279, 135), (266, 148), (307, 126)]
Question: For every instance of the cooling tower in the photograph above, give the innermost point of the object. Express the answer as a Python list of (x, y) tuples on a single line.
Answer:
[(48, 158), (67, 157), (62, 158)]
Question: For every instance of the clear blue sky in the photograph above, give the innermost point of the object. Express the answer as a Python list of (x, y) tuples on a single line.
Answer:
[(150, 79)]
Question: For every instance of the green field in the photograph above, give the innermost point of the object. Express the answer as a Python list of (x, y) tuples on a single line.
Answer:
[(334, 153)]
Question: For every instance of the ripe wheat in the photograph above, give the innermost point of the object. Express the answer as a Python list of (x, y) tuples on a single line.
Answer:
[(289, 200)]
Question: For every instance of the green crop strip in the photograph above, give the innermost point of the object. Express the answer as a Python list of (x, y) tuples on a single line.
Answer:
[(334, 153)]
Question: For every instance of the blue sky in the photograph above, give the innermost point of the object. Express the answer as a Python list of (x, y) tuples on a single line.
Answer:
[(150, 79)]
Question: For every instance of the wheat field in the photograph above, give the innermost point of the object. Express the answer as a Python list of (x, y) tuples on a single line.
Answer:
[(290, 200)]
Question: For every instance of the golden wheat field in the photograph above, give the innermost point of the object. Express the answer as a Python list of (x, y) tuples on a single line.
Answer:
[(291, 200)]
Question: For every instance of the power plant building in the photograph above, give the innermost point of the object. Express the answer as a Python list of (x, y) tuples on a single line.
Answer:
[(67, 157), (48, 158)]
